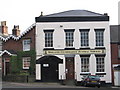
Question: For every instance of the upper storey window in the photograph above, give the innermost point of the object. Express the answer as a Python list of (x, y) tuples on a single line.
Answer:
[(48, 38), (26, 45), (69, 34), (84, 35), (99, 37)]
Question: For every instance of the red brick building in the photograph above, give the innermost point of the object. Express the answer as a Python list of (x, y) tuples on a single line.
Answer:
[(17, 51), (115, 53)]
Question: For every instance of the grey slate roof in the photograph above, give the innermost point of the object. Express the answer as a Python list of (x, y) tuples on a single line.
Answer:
[(115, 33), (74, 13), (72, 16)]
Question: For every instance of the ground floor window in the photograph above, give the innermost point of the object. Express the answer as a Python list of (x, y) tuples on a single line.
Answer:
[(100, 64), (84, 64), (26, 62)]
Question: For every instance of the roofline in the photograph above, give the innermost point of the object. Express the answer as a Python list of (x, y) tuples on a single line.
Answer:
[(69, 11), (18, 37), (72, 19), (5, 51)]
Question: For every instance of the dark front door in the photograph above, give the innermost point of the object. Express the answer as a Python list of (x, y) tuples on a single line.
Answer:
[(70, 68), (49, 72), (7, 68), (49, 69)]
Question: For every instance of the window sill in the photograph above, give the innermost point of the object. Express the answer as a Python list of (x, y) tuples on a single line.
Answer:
[(26, 50), (85, 73), (100, 73), (48, 48), (27, 68)]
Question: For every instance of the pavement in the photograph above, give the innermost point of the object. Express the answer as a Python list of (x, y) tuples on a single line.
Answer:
[(49, 85)]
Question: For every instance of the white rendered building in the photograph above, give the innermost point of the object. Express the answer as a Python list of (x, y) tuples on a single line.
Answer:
[(72, 44)]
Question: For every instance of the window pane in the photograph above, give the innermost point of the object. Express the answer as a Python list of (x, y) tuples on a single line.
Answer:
[(69, 38), (85, 64), (48, 39), (26, 45), (100, 64), (99, 38), (26, 62), (84, 38)]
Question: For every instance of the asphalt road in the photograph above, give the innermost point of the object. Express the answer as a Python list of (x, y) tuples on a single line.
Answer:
[(40, 86)]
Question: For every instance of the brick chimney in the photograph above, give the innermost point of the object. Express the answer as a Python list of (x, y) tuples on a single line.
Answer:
[(4, 28), (15, 30)]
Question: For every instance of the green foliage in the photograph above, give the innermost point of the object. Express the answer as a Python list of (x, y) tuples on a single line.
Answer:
[(14, 64), (17, 63)]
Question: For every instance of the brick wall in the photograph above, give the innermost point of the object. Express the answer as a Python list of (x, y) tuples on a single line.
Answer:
[(17, 45)]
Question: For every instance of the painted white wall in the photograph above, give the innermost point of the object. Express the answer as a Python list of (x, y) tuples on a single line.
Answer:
[(117, 78), (62, 74), (38, 72), (59, 43)]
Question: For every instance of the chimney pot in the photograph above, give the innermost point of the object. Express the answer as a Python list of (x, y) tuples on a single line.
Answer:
[(3, 23), (106, 14), (16, 30), (41, 14), (4, 28)]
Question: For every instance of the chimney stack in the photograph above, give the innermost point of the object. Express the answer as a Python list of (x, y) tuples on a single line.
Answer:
[(41, 14), (106, 14), (16, 31), (4, 28)]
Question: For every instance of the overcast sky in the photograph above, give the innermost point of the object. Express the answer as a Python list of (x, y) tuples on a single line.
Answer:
[(23, 12)]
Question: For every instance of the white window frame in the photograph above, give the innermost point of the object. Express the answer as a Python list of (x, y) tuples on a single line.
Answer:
[(100, 64), (48, 39), (85, 64), (69, 39), (26, 45), (26, 60), (99, 37), (84, 35)]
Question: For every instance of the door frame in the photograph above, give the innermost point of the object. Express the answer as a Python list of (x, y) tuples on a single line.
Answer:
[(70, 71)]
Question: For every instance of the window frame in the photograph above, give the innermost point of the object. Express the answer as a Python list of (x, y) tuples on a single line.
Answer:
[(100, 65), (85, 64), (99, 37), (48, 38), (69, 38), (26, 44), (84, 37), (24, 60)]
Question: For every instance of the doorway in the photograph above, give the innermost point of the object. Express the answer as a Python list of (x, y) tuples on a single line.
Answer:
[(69, 68), (49, 68)]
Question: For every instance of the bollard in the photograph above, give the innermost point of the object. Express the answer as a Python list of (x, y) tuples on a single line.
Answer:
[(27, 78)]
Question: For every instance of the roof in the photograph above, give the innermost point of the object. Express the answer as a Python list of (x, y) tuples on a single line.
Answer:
[(114, 33), (9, 52), (3, 38), (73, 15)]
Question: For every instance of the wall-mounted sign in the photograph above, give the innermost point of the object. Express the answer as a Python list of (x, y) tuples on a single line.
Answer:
[(59, 52), (45, 65)]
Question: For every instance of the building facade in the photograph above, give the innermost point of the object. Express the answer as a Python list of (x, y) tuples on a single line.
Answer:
[(115, 53), (18, 51), (71, 45), (3, 34)]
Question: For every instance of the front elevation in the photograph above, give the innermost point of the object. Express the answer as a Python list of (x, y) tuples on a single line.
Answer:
[(71, 45)]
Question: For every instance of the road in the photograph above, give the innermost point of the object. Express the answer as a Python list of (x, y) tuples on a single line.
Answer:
[(39, 86)]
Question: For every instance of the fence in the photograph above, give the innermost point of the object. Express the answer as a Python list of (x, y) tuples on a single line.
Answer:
[(19, 78)]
